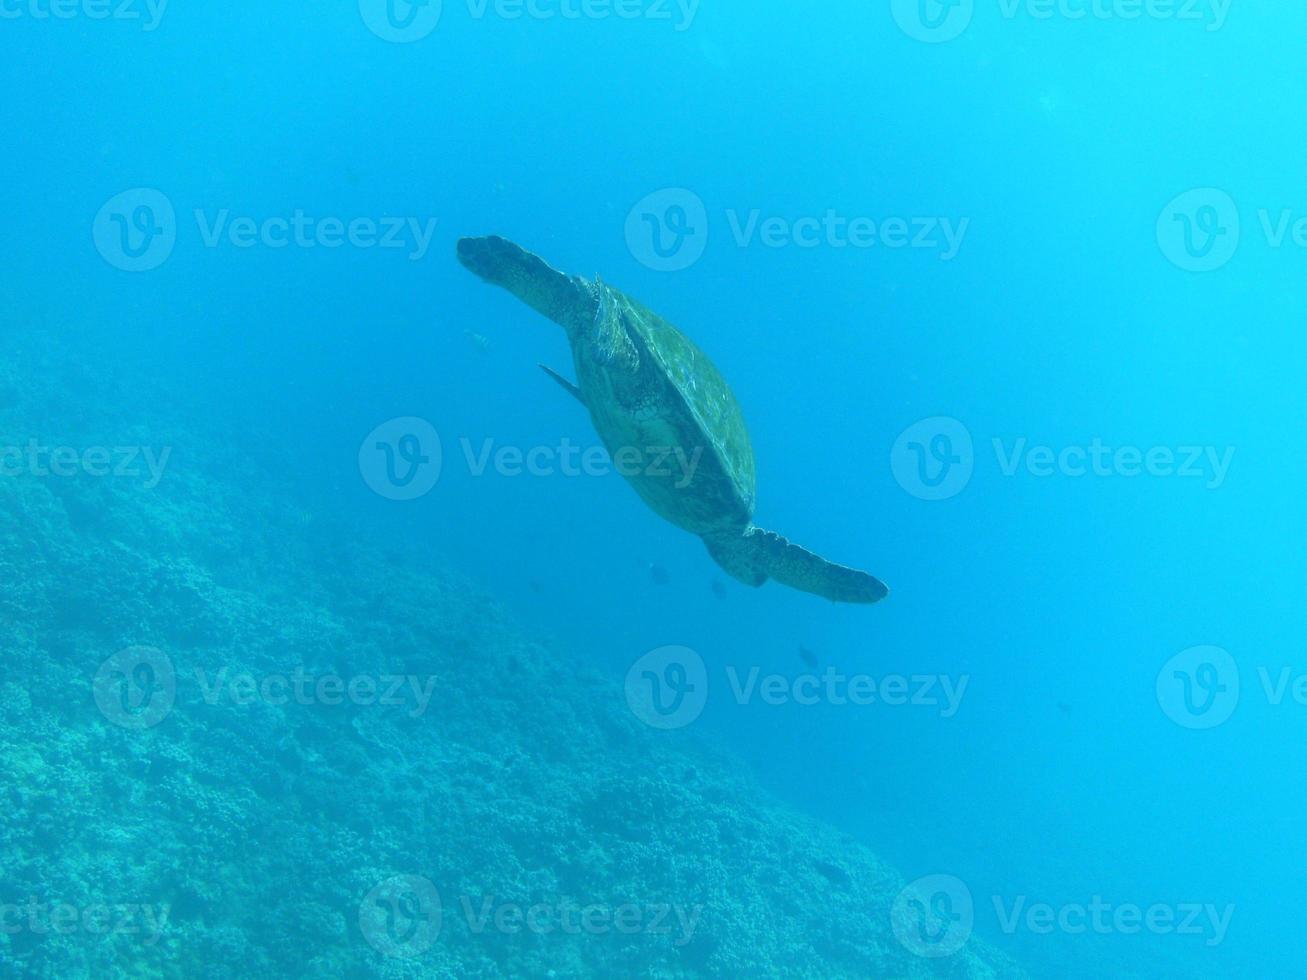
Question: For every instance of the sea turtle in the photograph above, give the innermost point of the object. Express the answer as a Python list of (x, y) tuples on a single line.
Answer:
[(668, 418)]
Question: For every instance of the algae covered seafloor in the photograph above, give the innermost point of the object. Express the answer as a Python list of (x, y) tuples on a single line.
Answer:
[(164, 818)]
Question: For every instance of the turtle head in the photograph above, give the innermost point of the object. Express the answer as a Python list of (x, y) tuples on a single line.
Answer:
[(479, 255), (562, 298)]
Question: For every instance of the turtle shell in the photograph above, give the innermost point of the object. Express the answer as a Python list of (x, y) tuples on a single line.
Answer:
[(698, 403)]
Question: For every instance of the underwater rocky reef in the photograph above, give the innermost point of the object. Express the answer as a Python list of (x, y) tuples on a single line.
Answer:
[(237, 738)]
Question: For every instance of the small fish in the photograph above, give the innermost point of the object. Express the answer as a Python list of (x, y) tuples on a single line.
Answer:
[(537, 587), (807, 656), (480, 341), (1063, 707), (659, 574), (718, 588)]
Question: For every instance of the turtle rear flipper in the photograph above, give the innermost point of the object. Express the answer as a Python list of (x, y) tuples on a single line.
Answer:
[(757, 555)]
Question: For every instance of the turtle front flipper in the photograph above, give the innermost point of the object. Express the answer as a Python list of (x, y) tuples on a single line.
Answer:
[(568, 301), (567, 386), (757, 555)]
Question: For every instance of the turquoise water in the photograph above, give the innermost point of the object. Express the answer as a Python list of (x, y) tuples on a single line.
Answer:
[(334, 645)]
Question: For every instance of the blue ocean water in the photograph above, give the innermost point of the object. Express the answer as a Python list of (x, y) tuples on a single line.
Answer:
[(1004, 290)]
